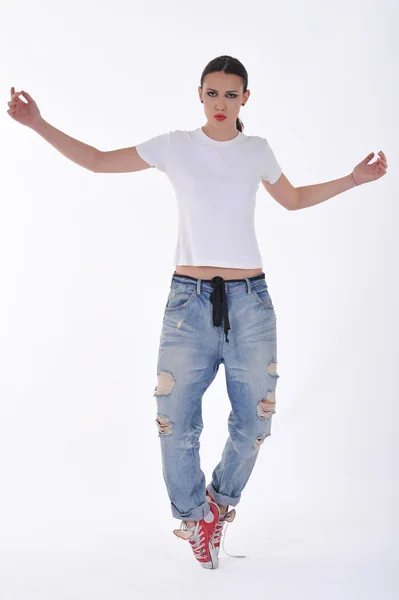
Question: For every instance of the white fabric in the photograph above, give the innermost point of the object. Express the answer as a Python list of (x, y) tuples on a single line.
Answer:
[(215, 185)]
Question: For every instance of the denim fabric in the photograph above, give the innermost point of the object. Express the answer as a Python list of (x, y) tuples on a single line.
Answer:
[(191, 349)]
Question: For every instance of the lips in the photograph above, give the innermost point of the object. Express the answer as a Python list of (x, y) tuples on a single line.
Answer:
[(220, 117)]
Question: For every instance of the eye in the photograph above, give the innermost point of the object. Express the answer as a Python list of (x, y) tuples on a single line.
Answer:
[(234, 95)]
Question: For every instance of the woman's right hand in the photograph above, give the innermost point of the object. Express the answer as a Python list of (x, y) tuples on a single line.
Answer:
[(26, 113)]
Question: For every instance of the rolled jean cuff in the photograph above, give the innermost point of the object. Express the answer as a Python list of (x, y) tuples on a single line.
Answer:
[(221, 499), (196, 514)]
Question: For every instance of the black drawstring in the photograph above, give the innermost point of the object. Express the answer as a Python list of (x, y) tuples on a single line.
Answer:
[(219, 303), (218, 297)]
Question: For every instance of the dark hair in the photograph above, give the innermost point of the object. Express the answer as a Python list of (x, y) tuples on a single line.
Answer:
[(232, 66)]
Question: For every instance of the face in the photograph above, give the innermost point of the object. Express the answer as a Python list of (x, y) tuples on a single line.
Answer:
[(222, 93)]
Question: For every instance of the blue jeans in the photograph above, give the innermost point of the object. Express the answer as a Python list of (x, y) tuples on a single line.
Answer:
[(192, 346)]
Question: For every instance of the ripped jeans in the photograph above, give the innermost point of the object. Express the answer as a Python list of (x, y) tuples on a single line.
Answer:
[(192, 346)]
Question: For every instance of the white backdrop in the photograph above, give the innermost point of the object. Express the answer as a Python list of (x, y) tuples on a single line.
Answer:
[(86, 263)]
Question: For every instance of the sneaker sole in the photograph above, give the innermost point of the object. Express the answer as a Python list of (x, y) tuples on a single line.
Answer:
[(214, 556)]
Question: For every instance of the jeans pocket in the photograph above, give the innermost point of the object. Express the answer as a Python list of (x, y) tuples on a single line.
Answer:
[(179, 297), (263, 297)]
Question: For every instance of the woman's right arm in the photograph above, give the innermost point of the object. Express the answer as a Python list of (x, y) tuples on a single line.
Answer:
[(124, 160), (82, 154)]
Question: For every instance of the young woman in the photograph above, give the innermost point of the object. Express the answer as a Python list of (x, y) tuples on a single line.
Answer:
[(218, 287)]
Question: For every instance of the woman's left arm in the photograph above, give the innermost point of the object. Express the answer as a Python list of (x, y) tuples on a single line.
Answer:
[(309, 195)]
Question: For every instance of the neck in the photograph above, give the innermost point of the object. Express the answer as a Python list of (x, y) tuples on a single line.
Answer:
[(219, 134)]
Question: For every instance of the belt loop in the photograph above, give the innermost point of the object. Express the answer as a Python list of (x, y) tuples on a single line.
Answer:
[(198, 286), (248, 284)]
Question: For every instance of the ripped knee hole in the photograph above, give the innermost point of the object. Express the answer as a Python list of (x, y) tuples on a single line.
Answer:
[(164, 424), (267, 406), (166, 383)]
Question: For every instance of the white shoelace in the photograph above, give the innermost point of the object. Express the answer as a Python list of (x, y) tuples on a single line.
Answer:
[(219, 533), (196, 540)]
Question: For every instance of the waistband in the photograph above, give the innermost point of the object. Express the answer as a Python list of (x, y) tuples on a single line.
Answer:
[(218, 296)]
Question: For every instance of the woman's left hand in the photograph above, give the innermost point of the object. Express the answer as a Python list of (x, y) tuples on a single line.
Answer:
[(363, 172)]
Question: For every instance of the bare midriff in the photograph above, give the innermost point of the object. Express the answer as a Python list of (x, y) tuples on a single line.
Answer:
[(210, 272)]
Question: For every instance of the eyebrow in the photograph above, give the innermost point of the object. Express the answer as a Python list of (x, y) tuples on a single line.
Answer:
[(213, 90)]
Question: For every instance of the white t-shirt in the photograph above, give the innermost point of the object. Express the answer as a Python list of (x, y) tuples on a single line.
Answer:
[(215, 184)]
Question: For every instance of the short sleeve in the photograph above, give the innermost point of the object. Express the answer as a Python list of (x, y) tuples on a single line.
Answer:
[(155, 150), (271, 169)]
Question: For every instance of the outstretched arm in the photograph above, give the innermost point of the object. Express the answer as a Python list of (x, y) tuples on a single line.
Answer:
[(27, 113), (124, 160), (78, 152), (309, 195)]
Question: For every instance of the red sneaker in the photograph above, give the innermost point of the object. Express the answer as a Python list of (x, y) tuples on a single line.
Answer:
[(200, 537), (228, 517)]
